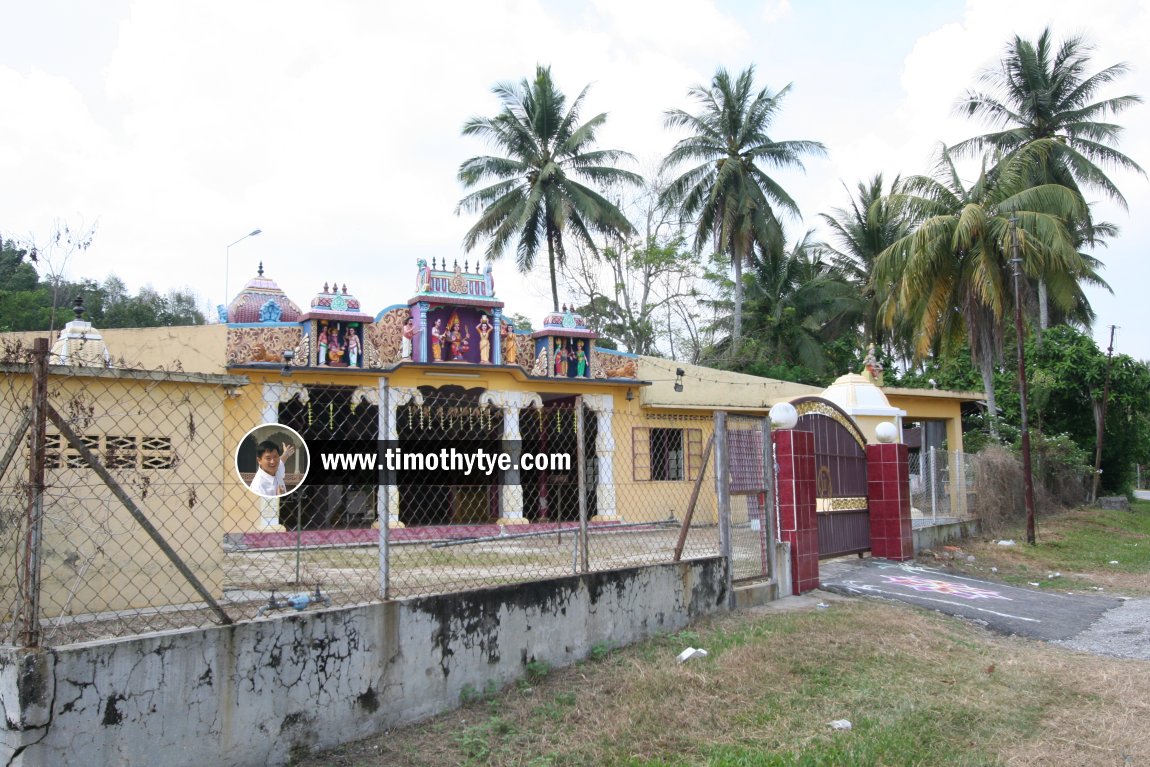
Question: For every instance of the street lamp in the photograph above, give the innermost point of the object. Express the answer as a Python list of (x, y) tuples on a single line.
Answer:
[(228, 258), (1027, 477)]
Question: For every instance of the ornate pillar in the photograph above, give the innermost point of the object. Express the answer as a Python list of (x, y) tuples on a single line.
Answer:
[(374, 395), (798, 519), (387, 501), (497, 327), (603, 406), (419, 343), (274, 395), (511, 489), (888, 498)]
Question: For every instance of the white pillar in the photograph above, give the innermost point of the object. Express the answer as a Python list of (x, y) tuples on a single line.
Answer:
[(396, 397), (511, 490), (274, 395), (603, 406)]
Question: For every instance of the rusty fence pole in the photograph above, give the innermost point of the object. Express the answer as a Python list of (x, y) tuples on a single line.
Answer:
[(723, 495), (30, 585), (581, 472), (769, 532)]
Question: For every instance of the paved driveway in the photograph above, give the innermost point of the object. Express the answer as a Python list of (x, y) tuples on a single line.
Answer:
[(1007, 609)]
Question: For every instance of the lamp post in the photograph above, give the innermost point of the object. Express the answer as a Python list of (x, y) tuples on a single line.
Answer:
[(228, 258), (1027, 477)]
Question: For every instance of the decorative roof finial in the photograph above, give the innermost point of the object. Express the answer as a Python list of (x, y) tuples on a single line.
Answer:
[(325, 288), (345, 288), (78, 306), (260, 272)]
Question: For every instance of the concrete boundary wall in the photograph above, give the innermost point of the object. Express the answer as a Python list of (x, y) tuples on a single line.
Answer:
[(258, 693)]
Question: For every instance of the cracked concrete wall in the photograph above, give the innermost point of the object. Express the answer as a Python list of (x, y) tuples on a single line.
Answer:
[(256, 693)]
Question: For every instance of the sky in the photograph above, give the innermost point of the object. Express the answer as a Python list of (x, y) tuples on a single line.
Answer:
[(176, 128)]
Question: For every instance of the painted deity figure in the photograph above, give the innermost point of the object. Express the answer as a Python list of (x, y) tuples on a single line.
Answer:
[(580, 360), (437, 341), (484, 329), (507, 342), (464, 341), (407, 338), (489, 281), (321, 343), (454, 338), (560, 359), (353, 347), (334, 347), (423, 279)]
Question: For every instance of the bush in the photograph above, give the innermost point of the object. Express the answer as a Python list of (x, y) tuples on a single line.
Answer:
[(1061, 473)]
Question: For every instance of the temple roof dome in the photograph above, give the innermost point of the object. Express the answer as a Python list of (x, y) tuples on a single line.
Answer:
[(262, 300)]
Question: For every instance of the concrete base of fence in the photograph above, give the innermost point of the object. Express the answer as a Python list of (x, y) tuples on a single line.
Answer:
[(758, 593), (937, 535), (259, 693)]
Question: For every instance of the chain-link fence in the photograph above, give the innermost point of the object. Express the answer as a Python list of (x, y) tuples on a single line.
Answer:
[(942, 486), (752, 507), (124, 507)]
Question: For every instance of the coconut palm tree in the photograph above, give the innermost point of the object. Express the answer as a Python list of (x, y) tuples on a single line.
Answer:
[(797, 304), (727, 191), (535, 193), (858, 234), (952, 274), (1040, 91)]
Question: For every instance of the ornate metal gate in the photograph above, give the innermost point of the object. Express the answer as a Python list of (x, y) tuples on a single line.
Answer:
[(840, 477)]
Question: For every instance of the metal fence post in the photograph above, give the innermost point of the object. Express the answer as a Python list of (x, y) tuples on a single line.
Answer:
[(30, 592), (933, 486), (723, 495), (769, 533), (384, 419), (581, 471)]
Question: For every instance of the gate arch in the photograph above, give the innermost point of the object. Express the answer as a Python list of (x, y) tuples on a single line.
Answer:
[(840, 477)]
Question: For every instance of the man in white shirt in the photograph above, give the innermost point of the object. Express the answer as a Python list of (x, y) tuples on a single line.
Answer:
[(268, 480)]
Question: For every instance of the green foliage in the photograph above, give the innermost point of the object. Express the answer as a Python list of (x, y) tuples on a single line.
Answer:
[(802, 322), (537, 670), (1067, 372), (26, 300), (726, 190), (532, 196)]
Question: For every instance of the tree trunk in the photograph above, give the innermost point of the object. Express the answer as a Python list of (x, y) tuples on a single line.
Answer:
[(551, 266), (1043, 309), (737, 330), (986, 366)]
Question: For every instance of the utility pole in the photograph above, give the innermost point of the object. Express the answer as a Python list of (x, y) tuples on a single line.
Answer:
[(1100, 423), (1027, 476)]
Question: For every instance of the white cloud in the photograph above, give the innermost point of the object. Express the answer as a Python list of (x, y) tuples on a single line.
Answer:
[(335, 127)]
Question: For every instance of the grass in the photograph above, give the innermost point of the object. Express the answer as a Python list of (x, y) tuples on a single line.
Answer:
[(918, 688), (1092, 549)]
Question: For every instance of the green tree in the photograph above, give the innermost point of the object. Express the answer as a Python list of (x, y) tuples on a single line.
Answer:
[(858, 235), (537, 196), (727, 191), (951, 276), (802, 317), (1067, 374), (1041, 91)]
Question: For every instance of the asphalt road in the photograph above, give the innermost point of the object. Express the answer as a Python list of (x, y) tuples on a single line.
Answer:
[(1006, 609)]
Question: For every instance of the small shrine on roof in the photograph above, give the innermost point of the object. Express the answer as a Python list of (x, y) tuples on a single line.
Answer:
[(333, 329), (455, 316), (79, 343), (261, 300), (563, 348)]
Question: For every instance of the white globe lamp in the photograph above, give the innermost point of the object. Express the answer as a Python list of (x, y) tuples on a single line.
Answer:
[(886, 432), (784, 416)]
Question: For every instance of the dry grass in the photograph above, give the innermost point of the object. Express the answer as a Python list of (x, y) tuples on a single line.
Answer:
[(1080, 544), (919, 689)]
